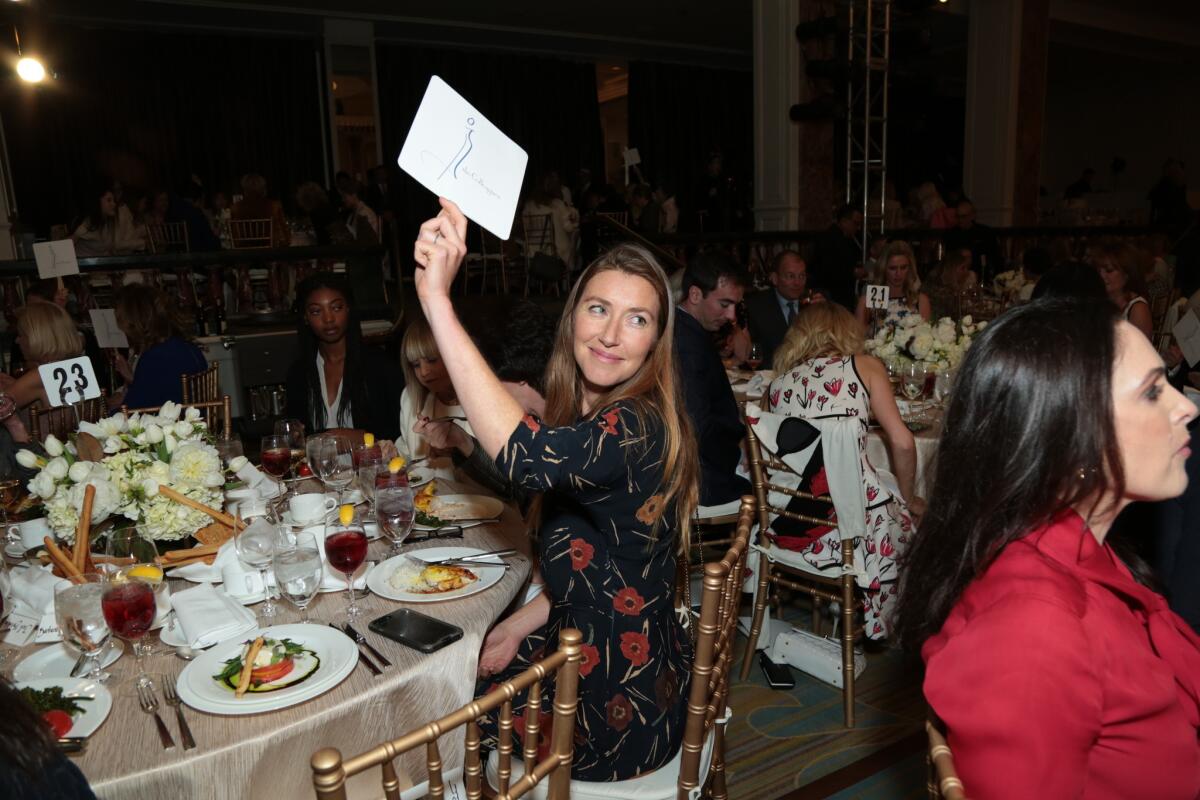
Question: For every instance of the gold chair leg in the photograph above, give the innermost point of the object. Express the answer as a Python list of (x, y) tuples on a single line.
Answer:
[(848, 646), (760, 605), (816, 615)]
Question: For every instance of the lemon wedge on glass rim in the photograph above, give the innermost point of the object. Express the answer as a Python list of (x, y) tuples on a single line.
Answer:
[(369, 439), (346, 514), (396, 464), (146, 572)]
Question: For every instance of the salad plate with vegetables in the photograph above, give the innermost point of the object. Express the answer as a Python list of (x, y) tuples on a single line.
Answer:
[(73, 707)]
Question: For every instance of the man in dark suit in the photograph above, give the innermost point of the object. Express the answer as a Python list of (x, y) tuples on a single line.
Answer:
[(769, 313), (838, 258), (713, 285)]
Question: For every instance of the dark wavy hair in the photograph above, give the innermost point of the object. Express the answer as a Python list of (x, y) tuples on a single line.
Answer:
[(354, 381), (25, 741), (1028, 433)]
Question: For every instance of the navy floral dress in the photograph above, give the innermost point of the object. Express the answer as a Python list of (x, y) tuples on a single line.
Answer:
[(608, 576)]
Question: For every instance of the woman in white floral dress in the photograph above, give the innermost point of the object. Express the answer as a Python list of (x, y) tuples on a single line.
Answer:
[(822, 373)]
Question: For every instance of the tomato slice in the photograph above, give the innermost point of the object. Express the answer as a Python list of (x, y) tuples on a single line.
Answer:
[(271, 672), (59, 721)]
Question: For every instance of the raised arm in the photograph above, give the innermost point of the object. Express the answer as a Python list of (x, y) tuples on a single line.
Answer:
[(438, 251)]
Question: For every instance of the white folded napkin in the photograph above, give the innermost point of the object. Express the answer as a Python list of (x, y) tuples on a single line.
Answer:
[(210, 573), (32, 595), (332, 578), (208, 616)]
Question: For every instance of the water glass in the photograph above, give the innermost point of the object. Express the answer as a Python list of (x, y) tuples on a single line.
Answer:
[(394, 513), (255, 547), (77, 608), (298, 572), (912, 380), (229, 449), (942, 384), (334, 463)]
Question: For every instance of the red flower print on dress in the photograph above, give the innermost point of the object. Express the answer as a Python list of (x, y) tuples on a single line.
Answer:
[(872, 493), (635, 647), (817, 547), (834, 386), (666, 689), (532, 423), (752, 420), (581, 554), (853, 389), (787, 396), (820, 483), (885, 547), (609, 421), (589, 658), (774, 398), (651, 510), (628, 601), (619, 712)]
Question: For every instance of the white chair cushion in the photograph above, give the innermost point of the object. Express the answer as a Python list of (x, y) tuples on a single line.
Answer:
[(662, 784)]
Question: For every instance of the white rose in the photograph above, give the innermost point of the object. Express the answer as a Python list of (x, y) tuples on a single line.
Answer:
[(53, 445), (150, 487), (160, 471), (27, 459), (921, 345), (214, 480), (911, 321), (967, 320), (183, 429), (80, 471), (169, 411), (57, 468), (43, 486), (945, 333)]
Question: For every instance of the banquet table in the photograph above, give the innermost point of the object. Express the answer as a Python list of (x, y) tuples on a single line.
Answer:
[(266, 755), (926, 442)]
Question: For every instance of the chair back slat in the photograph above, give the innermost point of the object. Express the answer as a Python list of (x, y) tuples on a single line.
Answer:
[(62, 420), (533, 708), (251, 234), (504, 746), (391, 783), (472, 763), (167, 237), (203, 386), (330, 770)]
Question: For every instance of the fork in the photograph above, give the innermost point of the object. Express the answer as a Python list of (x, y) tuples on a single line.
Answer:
[(149, 703), (466, 559), (172, 698)]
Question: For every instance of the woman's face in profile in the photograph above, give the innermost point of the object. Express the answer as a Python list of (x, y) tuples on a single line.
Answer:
[(327, 314), (431, 372), (108, 204), (616, 326), (1150, 418), (1111, 274)]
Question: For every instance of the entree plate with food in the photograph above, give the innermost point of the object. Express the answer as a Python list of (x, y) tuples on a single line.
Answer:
[(73, 707), (57, 661), (434, 511), (411, 581), (292, 664)]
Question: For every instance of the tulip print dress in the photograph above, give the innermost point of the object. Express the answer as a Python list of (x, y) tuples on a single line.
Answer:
[(607, 552), (831, 387)]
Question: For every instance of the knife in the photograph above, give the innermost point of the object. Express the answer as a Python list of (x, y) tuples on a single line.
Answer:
[(362, 640), (362, 657), (77, 670)]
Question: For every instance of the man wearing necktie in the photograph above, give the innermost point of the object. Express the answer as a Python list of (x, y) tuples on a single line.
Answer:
[(771, 311)]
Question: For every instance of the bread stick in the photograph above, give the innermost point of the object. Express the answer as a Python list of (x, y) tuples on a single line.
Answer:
[(83, 529), (60, 559), (248, 667)]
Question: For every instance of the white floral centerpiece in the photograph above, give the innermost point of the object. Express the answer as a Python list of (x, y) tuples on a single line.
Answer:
[(1009, 284), (140, 453), (939, 345)]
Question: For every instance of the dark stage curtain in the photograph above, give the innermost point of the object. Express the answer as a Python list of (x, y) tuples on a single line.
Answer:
[(547, 106), (150, 109), (680, 114)]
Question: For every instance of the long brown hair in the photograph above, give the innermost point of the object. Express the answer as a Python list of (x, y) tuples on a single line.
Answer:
[(654, 388)]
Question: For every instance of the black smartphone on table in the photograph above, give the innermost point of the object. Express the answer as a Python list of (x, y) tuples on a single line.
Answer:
[(416, 630), (778, 676)]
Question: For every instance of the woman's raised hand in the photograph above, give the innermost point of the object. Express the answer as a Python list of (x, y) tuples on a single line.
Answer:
[(439, 250)]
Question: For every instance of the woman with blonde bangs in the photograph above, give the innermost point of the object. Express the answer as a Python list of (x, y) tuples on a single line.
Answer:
[(896, 268), (45, 334), (428, 395), (617, 467), (824, 373)]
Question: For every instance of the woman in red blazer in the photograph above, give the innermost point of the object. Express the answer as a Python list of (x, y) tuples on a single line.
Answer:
[(1057, 671)]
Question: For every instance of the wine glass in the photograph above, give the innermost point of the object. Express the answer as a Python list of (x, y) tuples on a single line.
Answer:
[(912, 380), (298, 572), (128, 609), (134, 556), (394, 513), (77, 608), (255, 547), (276, 455), (755, 358), (10, 494), (334, 464), (942, 384), (293, 430), (228, 449), (346, 549)]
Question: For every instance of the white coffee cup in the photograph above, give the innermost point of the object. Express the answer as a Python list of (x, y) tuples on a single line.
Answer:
[(240, 582), (30, 533), (309, 508)]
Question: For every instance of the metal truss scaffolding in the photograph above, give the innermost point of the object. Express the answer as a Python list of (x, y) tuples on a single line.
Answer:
[(867, 111)]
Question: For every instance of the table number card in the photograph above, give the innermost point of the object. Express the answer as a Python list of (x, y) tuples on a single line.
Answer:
[(71, 381), (877, 296), (108, 333), (1187, 335), (55, 259), (454, 151)]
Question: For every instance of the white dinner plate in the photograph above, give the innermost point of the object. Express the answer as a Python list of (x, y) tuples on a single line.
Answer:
[(464, 510), (378, 578), (56, 661), (95, 707), (198, 688)]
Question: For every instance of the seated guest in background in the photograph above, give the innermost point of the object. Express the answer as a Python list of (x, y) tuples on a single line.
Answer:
[(664, 195), (947, 282), (51, 291), (617, 468), (837, 258), (545, 197), (517, 351), (45, 334), (1035, 263), (256, 205), (1057, 671), (31, 765), (967, 234), (645, 215), (163, 354), (713, 284), (824, 373), (897, 270), (313, 201), (338, 384), (1123, 283), (108, 229), (185, 207), (770, 312), (361, 222), (428, 395)]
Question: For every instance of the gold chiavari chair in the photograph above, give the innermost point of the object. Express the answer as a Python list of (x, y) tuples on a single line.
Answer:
[(202, 386), (167, 237), (330, 770), (943, 783), (251, 234), (62, 420), (841, 589), (700, 762), (213, 412)]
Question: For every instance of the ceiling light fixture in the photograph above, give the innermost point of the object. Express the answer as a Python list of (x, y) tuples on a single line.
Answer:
[(31, 70)]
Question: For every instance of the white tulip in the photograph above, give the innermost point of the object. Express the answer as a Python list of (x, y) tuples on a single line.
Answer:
[(57, 468), (53, 445), (80, 471), (183, 429), (43, 486), (169, 411), (237, 462), (214, 480), (112, 445), (27, 459), (170, 441), (192, 414), (154, 434)]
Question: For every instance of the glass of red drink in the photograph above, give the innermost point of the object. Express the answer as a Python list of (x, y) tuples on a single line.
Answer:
[(346, 550), (293, 430), (276, 455), (129, 609)]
